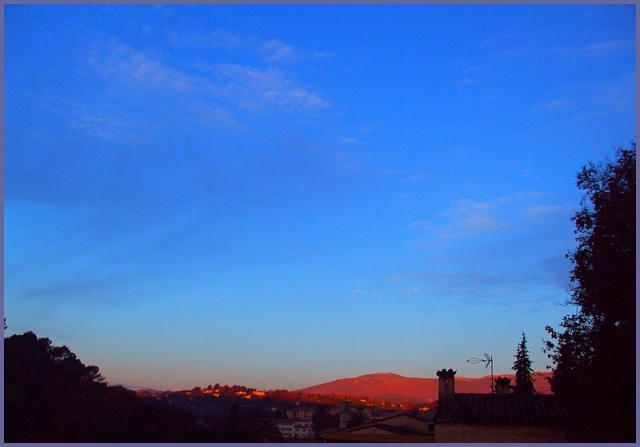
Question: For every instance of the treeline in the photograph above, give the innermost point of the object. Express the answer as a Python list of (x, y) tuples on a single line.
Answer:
[(279, 396), (51, 396)]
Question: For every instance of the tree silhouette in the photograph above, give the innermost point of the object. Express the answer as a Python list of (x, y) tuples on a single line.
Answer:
[(523, 369), (594, 354), (51, 396)]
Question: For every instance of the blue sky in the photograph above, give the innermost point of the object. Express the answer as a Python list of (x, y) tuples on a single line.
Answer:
[(278, 196)]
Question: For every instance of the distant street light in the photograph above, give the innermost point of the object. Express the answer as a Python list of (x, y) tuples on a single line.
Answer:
[(489, 361)]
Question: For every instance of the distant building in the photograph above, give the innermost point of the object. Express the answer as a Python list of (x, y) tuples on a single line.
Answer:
[(345, 414), (298, 429), (302, 413), (500, 417)]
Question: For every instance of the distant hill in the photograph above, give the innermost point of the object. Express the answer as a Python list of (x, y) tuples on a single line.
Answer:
[(139, 389), (399, 389)]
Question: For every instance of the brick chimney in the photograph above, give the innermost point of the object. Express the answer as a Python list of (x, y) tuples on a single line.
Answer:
[(446, 393), (503, 385)]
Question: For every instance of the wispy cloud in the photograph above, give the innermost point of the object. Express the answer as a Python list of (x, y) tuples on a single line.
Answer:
[(360, 292), (276, 51), (542, 211), (467, 217), (216, 93), (592, 99), (347, 141), (253, 88), (217, 39), (126, 64), (553, 105), (602, 49), (396, 278), (421, 224), (99, 120), (413, 290), (466, 81), (507, 45), (481, 286), (558, 268), (212, 114), (609, 48), (615, 94), (269, 50), (465, 72), (470, 283)]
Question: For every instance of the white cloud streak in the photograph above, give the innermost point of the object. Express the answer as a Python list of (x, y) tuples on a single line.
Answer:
[(227, 87), (468, 217)]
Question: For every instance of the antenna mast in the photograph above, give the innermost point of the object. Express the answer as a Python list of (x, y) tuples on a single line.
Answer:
[(488, 359)]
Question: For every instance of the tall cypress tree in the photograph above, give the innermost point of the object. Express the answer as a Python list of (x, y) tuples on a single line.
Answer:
[(523, 369)]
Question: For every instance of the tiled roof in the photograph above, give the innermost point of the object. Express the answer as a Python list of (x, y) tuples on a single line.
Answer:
[(400, 430), (509, 409)]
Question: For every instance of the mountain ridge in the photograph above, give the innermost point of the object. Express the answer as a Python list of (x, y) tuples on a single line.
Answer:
[(396, 388)]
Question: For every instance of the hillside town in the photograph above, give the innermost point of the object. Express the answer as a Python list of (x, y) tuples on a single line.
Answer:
[(282, 415)]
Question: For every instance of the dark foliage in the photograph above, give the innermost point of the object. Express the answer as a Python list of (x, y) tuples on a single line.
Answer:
[(51, 396), (594, 353), (523, 369)]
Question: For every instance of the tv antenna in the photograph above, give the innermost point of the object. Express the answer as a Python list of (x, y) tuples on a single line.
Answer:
[(488, 359)]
